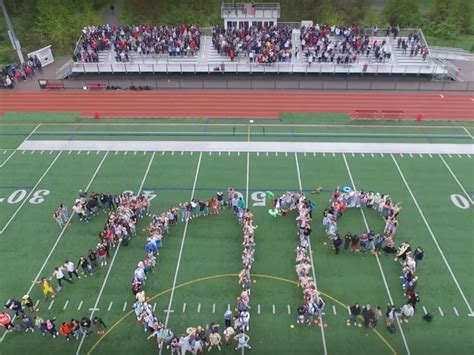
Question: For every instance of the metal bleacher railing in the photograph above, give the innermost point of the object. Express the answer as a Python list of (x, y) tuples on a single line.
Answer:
[(209, 61)]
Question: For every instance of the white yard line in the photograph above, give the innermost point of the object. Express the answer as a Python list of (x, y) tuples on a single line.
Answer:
[(253, 146), (378, 260), (248, 181), (468, 133), (53, 248), (14, 151), (300, 184), (175, 279), (433, 237), (104, 283), (26, 199), (457, 180)]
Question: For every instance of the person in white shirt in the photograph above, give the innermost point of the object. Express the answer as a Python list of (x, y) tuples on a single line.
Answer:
[(58, 273), (242, 341), (407, 312), (71, 269)]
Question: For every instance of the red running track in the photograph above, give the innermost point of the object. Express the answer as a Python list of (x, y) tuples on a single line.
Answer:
[(238, 104)]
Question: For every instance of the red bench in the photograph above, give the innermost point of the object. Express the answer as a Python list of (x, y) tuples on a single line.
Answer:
[(50, 84), (365, 114), (96, 86), (393, 114)]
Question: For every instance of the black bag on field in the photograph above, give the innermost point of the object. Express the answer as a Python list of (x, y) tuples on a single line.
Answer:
[(428, 317), (392, 329)]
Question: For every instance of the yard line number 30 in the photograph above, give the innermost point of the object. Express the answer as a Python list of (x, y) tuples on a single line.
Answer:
[(18, 196)]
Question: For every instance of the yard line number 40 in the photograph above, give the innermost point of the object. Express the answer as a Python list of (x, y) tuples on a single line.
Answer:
[(19, 195)]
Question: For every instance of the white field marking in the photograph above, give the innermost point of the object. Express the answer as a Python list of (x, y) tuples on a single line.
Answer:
[(163, 153), (430, 155), (124, 307), (125, 153), (66, 304), (172, 153), (238, 154), (51, 305), (381, 154), (471, 313), (5, 152), (78, 351), (420, 155), (353, 155), (144, 152), (57, 242), (26, 199), (199, 308), (289, 309), (258, 309), (31, 152), (69, 153), (457, 180), (349, 310), (468, 133), (377, 259), (168, 310), (276, 154), (220, 153), (286, 154), (184, 307), (210, 153), (154, 307), (334, 310), (183, 240), (469, 156), (79, 152), (300, 185), (459, 156), (273, 309), (401, 155), (88, 152), (247, 181), (80, 305), (14, 151), (22, 152), (94, 309), (116, 152), (363, 155), (213, 308), (110, 306), (456, 311), (449, 155), (50, 152), (135, 153), (314, 154), (228, 307), (228, 153), (441, 311), (42, 152), (266, 154), (258, 154), (304, 153), (333, 154), (372, 155), (424, 310), (97, 153), (37, 303)]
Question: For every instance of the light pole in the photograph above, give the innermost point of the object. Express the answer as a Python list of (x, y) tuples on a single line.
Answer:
[(15, 43)]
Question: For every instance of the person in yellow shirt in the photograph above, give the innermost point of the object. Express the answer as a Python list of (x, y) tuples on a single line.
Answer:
[(47, 287)]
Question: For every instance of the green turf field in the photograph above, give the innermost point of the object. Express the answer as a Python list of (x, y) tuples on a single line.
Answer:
[(197, 268)]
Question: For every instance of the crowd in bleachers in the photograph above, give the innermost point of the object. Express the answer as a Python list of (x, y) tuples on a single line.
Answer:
[(16, 73), (341, 45), (413, 44), (143, 39), (259, 44)]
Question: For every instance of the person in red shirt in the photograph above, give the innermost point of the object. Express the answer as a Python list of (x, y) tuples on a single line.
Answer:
[(65, 330), (6, 321), (28, 72)]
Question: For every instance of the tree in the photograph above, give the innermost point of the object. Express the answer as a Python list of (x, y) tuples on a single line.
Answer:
[(403, 13)]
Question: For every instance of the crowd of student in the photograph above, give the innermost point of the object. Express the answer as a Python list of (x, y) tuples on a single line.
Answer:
[(196, 338), (143, 39), (16, 73), (347, 197), (414, 44), (259, 44)]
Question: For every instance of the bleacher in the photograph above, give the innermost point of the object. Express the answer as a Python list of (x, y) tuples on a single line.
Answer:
[(207, 59)]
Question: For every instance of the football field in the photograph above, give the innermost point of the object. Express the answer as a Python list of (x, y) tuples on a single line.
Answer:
[(46, 159)]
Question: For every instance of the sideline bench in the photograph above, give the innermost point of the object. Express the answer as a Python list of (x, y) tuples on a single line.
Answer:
[(96, 86), (51, 84), (366, 114), (392, 114)]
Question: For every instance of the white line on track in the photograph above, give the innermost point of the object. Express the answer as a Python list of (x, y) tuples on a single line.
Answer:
[(457, 180), (110, 306), (433, 237), (80, 305), (66, 304), (377, 258), (26, 199), (27, 137), (183, 239), (78, 351), (300, 185)]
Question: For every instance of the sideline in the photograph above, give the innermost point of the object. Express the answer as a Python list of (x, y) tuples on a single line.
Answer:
[(213, 277)]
